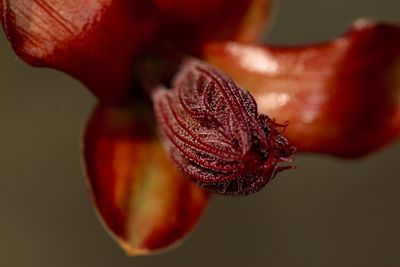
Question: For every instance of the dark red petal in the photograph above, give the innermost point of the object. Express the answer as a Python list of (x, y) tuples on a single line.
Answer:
[(341, 97), (93, 40), (215, 134), (144, 201), (188, 23)]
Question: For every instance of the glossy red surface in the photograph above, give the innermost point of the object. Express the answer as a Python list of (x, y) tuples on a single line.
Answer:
[(145, 202), (340, 97), (98, 41)]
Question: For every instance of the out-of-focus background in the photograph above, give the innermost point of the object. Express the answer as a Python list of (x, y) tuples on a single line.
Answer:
[(329, 212)]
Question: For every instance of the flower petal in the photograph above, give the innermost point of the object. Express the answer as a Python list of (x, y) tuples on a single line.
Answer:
[(142, 198), (341, 97), (240, 20), (93, 40)]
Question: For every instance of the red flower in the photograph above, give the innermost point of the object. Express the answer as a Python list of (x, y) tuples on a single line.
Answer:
[(340, 97)]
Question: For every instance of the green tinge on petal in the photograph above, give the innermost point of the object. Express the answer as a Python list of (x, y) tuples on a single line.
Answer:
[(145, 202)]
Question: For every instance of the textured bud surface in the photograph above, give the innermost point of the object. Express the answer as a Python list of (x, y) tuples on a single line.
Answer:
[(215, 134)]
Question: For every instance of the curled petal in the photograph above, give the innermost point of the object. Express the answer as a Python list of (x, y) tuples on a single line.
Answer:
[(144, 201), (340, 97), (93, 40), (215, 134)]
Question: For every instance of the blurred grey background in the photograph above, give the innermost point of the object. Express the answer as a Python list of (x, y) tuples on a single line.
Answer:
[(329, 213)]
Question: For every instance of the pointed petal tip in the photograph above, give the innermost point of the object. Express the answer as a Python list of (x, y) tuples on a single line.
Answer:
[(135, 251), (363, 23), (368, 23)]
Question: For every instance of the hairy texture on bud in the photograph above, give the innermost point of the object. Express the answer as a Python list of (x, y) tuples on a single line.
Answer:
[(215, 134)]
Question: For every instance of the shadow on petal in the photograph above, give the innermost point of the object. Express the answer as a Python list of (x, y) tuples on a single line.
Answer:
[(341, 97), (98, 41), (145, 202), (241, 20)]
